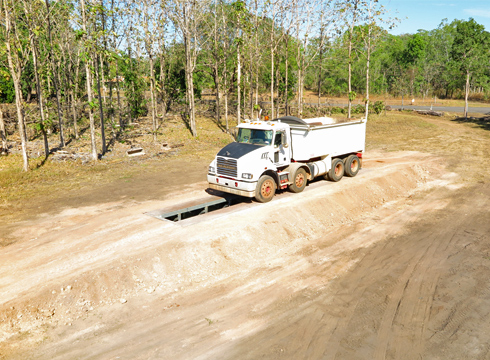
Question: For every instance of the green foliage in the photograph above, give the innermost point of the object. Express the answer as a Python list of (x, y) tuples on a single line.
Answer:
[(134, 86), (378, 107), (7, 92), (352, 96), (471, 45)]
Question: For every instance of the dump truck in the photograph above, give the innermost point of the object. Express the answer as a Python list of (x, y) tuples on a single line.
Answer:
[(287, 152)]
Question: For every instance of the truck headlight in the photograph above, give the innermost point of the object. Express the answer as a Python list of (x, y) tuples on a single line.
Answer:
[(247, 176), (212, 170)]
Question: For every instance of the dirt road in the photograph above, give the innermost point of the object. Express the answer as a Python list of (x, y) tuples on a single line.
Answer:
[(391, 264)]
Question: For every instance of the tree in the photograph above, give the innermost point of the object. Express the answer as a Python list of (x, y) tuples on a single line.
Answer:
[(370, 33), (55, 75), (17, 54), (470, 50), (33, 38), (313, 20), (186, 16), (153, 22), (88, 43)]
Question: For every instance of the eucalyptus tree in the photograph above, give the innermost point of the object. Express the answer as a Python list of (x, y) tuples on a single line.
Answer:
[(54, 69), (152, 17), (470, 50), (353, 11), (313, 22), (88, 42), (186, 16), (17, 49), (370, 33), (255, 54), (241, 15), (279, 14), (213, 56), (34, 29)]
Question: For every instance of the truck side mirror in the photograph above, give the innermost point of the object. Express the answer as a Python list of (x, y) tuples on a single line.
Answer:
[(283, 140)]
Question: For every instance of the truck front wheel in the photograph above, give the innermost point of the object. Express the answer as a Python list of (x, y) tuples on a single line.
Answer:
[(299, 181), (266, 189), (337, 171)]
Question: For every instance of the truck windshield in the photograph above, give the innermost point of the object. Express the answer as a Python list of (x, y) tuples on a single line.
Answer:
[(254, 136)]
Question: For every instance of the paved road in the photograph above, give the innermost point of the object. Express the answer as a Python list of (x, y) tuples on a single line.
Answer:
[(453, 109), (456, 109)]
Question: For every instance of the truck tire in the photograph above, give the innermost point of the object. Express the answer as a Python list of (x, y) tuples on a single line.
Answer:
[(266, 189), (299, 181), (337, 171), (352, 165)]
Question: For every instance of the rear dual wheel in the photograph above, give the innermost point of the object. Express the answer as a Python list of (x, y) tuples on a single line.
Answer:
[(337, 171), (299, 181), (352, 165)]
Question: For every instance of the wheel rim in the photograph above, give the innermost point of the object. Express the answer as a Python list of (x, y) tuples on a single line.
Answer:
[(300, 180), (267, 188), (338, 170), (354, 165)]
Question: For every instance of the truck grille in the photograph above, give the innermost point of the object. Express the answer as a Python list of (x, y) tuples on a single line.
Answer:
[(227, 167)]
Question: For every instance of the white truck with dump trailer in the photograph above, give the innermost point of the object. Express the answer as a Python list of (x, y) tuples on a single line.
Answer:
[(286, 153)]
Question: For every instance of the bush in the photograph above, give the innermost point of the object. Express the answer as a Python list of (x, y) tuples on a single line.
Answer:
[(358, 109), (337, 110), (378, 107)]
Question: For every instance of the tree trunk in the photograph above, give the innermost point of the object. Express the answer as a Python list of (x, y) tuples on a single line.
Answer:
[(367, 72), (55, 78), (39, 97), (191, 111), (74, 93), (38, 83), (239, 79), (16, 72), (466, 94), (190, 89), (101, 107), (272, 72), (320, 70), (163, 92), (286, 105), (351, 30), (89, 90), (152, 97), (349, 104), (217, 97), (3, 133)]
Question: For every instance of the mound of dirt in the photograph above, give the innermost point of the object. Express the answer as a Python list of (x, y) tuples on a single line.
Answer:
[(90, 263)]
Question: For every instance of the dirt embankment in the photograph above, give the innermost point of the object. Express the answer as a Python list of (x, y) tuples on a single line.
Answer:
[(86, 260)]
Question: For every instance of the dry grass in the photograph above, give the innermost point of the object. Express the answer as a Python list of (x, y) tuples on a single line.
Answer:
[(57, 182), (52, 180)]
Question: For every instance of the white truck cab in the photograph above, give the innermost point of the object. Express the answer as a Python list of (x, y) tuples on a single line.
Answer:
[(285, 153)]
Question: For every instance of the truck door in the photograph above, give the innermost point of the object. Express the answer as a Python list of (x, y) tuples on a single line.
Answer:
[(282, 149)]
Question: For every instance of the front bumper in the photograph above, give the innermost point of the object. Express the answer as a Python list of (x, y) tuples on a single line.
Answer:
[(242, 188)]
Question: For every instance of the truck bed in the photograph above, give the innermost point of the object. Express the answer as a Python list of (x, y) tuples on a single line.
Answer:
[(317, 139)]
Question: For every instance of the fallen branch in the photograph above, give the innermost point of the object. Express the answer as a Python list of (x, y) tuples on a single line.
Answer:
[(429, 112)]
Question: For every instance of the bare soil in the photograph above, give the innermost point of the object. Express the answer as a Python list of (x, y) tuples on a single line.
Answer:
[(391, 264)]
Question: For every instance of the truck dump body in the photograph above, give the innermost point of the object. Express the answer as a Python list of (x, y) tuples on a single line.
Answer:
[(315, 139)]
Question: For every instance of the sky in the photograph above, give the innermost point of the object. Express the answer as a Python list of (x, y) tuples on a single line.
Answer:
[(428, 14)]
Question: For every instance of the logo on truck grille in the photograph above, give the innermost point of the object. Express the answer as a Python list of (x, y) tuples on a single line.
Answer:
[(227, 167)]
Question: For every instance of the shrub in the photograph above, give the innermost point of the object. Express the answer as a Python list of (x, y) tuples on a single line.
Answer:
[(378, 107)]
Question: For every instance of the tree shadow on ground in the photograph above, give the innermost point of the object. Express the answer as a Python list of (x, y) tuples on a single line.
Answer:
[(483, 121)]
